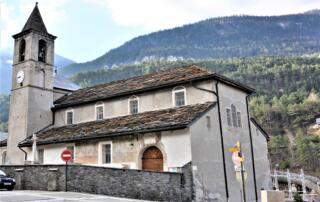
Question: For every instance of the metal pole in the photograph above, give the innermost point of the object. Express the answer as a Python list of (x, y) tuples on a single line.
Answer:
[(243, 184), (242, 177), (289, 184), (303, 183), (66, 186), (276, 180)]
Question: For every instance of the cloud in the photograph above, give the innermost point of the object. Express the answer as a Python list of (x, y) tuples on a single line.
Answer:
[(161, 14), (7, 24), (14, 15)]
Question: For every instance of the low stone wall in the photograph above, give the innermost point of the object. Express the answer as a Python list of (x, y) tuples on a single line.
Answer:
[(159, 186)]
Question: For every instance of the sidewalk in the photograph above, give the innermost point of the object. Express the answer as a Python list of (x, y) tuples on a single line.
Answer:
[(42, 196)]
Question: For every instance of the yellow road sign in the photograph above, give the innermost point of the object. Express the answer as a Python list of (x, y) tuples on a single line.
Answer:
[(232, 149)]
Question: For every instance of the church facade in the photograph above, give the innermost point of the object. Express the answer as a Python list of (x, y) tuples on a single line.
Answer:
[(160, 121)]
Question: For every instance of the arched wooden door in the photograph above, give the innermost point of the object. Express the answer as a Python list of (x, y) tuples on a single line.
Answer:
[(152, 159)]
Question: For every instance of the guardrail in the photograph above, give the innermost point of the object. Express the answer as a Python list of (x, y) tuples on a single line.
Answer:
[(305, 181)]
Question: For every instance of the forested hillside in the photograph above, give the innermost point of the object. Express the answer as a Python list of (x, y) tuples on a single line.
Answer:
[(223, 37), (286, 102)]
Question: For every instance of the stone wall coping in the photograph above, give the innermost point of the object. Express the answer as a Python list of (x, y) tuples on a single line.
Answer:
[(21, 168)]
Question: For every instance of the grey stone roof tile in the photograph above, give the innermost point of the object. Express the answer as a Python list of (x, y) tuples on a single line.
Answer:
[(159, 120)]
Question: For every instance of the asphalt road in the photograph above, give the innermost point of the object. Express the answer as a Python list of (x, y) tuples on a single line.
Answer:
[(42, 196)]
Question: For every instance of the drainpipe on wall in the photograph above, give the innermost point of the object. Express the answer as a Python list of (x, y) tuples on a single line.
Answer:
[(252, 155), (221, 133), (25, 153)]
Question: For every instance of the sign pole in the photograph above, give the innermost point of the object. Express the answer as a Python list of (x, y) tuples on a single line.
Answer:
[(243, 183), (242, 175), (66, 186), (66, 156), (238, 158)]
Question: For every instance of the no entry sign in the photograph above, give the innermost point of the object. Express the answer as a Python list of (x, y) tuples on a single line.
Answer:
[(66, 155)]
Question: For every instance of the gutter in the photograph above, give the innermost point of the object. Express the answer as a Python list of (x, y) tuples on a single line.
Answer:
[(25, 153), (221, 132), (252, 155)]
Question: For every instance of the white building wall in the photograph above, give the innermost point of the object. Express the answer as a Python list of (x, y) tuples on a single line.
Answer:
[(148, 101), (126, 151), (177, 147)]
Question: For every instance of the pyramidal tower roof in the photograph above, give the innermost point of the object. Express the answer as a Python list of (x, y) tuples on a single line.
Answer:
[(35, 21)]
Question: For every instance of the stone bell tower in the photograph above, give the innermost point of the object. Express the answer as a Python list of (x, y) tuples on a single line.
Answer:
[(32, 84)]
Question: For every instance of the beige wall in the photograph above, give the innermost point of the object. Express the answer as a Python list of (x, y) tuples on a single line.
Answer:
[(149, 101), (2, 149), (127, 150)]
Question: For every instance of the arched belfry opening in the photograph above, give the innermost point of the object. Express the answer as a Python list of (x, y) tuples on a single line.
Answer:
[(152, 159), (22, 50), (42, 51)]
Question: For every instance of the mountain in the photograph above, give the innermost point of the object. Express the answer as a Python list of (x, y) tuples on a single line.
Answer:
[(6, 68), (235, 36)]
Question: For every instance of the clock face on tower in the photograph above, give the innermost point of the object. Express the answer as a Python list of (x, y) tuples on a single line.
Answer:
[(20, 76)]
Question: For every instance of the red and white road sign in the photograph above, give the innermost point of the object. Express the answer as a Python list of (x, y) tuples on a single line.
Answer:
[(66, 155), (236, 158)]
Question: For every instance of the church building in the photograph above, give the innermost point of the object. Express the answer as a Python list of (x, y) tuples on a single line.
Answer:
[(160, 121)]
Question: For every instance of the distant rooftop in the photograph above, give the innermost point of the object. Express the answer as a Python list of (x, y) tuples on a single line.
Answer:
[(3, 136), (62, 83)]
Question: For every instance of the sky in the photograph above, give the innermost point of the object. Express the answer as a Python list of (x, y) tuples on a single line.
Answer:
[(87, 29)]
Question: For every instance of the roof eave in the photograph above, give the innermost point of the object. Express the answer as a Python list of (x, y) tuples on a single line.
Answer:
[(223, 79), (106, 135), (57, 106), (264, 133), (233, 83), (35, 31)]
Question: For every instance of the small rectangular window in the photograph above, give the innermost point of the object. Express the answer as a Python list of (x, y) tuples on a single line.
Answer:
[(40, 156), (134, 108), (106, 154), (239, 119), (99, 112), (229, 117), (71, 148), (70, 117), (179, 98)]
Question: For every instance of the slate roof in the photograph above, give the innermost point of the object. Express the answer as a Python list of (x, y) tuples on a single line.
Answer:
[(152, 121), (34, 23), (161, 79), (3, 136), (62, 83), (3, 139), (3, 143)]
